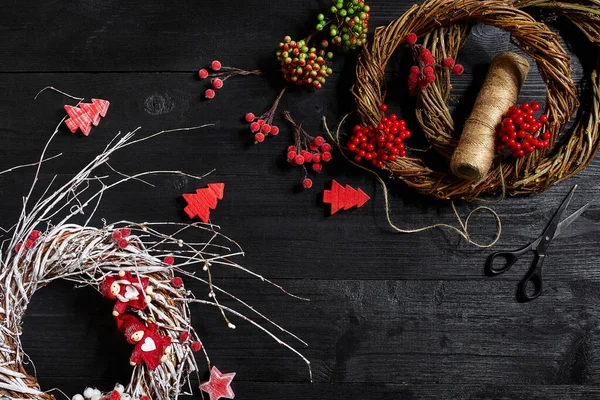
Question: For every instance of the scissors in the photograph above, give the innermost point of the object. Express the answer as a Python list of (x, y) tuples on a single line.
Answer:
[(531, 286)]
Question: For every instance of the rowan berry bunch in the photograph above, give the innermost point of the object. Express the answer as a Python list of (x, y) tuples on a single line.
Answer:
[(349, 23), (423, 73), (219, 75), (304, 65), (307, 150), (380, 143), (521, 132), (263, 126)]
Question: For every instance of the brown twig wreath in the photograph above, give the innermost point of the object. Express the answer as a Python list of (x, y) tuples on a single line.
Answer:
[(445, 26)]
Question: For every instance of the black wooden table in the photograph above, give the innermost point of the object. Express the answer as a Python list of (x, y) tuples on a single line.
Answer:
[(391, 316)]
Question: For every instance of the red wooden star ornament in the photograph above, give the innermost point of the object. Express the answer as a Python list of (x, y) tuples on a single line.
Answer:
[(341, 197), (86, 115), (200, 203), (219, 385)]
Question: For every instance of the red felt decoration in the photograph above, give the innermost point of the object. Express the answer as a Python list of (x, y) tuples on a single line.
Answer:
[(86, 115), (204, 200), (150, 347), (219, 385), (129, 291), (344, 197)]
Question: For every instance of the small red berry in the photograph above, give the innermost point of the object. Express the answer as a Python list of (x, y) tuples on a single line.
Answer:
[(125, 232), (383, 107), (116, 235), (430, 78), (411, 38), (123, 243), (249, 117), (543, 118), (428, 70), (217, 83), (34, 235), (414, 70), (254, 127), (307, 183), (209, 94), (292, 148), (425, 53), (319, 141), (259, 137), (299, 160), (169, 260), (177, 282), (326, 147), (535, 106), (184, 336), (326, 156), (429, 60), (196, 346), (448, 62), (18, 247), (317, 167), (203, 74), (215, 65), (274, 131), (114, 396), (29, 244), (458, 69)]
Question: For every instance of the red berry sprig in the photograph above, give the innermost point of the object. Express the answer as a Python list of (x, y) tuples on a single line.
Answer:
[(219, 75), (422, 73), (263, 125), (521, 132), (307, 150), (381, 143), (303, 65)]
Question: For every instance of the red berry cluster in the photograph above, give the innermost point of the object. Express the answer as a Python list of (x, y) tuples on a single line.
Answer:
[(381, 143), (422, 73), (303, 65), (30, 242), (120, 237), (521, 130), (219, 75), (263, 125), (307, 150)]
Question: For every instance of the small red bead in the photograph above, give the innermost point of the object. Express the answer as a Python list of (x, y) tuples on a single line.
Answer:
[(217, 83), (326, 147), (177, 282), (319, 140), (169, 260), (299, 160), (274, 131), (326, 156), (448, 62), (34, 235), (428, 70), (317, 167), (203, 74), (307, 183), (259, 137), (383, 107), (291, 155), (255, 127), (125, 232), (29, 244), (543, 118), (184, 336), (291, 148), (123, 243), (196, 346), (535, 106), (209, 94), (266, 129), (215, 65), (116, 235), (249, 117), (414, 70), (18, 247), (316, 158)]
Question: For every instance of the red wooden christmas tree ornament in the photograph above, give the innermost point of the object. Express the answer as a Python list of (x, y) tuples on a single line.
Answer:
[(341, 197), (200, 203), (86, 115)]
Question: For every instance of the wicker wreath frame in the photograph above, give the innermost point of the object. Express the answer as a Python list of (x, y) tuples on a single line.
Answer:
[(444, 24)]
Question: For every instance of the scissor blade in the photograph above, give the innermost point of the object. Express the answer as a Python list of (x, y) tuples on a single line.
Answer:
[(569, 220), (550, 230)]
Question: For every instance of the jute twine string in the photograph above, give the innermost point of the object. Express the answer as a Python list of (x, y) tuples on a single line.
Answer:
[(474, 154), (444, 25), (464, 225)]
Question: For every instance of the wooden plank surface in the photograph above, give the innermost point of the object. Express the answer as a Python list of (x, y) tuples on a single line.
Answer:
[(391, 315)]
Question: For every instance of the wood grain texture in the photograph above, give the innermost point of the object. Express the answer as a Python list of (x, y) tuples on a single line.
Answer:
[(391, 316)]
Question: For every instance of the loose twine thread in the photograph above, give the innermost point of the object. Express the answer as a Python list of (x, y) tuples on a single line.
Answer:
[(474, 154), (464, 225)]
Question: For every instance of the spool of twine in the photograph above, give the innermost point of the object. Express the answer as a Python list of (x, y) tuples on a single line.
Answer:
[(474, 154)]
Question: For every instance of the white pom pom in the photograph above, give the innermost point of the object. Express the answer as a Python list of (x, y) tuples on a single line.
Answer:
[(78, 397), (96, 397), (88, 393), (119, 388), (97, 392)]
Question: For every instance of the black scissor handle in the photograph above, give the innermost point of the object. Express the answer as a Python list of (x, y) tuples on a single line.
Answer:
[(510, 258), (532, 281)]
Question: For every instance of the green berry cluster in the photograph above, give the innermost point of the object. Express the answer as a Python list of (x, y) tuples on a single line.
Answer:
[(303, 65), (349, 25)]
